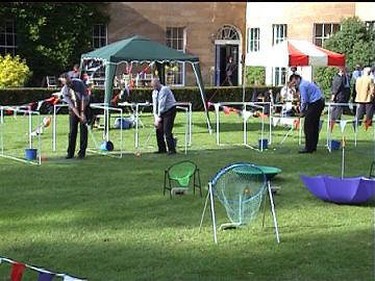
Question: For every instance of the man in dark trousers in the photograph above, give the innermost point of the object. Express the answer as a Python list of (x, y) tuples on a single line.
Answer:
[(312, 105), (75, 94), (229, 70), (164, 109), (340, 93)]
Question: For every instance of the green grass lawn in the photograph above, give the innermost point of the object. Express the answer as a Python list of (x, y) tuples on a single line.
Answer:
[(106, 219)]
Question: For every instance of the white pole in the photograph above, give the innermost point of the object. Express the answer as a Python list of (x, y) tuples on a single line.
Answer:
[(273, 211), (212, 211), (343, 157)]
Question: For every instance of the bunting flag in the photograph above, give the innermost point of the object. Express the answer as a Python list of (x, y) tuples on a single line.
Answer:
[(17, 271), (342, 125), (246, 114), (226, 110), (45, 276), (69, 278)]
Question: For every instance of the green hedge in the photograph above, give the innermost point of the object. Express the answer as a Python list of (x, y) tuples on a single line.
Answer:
[(22, 96)]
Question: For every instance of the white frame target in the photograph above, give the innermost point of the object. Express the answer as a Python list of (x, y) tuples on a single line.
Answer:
[(30, 114)]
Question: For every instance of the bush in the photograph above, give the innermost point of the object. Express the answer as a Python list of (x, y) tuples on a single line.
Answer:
[(13, 72)]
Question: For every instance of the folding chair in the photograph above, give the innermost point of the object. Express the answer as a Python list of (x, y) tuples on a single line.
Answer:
[(51, 82), (181, 176)]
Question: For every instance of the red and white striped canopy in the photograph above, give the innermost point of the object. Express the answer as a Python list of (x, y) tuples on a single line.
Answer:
[(302, 53)]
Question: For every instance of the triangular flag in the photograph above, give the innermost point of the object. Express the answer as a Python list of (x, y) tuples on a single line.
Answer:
[(45, 276), (69, 278), (275, 121), (342, 125), (226, 109), (17, 271), (246, 114)]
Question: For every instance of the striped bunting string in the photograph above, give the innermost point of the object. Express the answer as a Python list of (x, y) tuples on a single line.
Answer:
[(44, 275)]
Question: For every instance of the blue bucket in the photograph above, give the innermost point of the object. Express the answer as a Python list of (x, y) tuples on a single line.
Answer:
[(334, 145), (30, 153), (106, 146), (264, 142)]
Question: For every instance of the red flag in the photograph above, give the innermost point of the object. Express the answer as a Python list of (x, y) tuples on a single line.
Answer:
[(17, 271), (226, 109)]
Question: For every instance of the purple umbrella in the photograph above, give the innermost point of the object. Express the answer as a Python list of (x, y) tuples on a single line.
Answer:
[(355, 190)]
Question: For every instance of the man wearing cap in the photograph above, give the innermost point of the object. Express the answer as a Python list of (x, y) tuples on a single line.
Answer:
[(74, 93)]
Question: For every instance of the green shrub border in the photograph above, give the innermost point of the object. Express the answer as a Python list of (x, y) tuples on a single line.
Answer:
[(23, 96)]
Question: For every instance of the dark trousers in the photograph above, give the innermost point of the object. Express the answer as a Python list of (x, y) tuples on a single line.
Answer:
[(312, 123), (164, 135), (365, 109), (73, 130)]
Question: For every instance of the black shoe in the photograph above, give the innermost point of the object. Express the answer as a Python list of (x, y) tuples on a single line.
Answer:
[(160, 152), (305, 151), (69, 156), (172, 152), (81, 157)]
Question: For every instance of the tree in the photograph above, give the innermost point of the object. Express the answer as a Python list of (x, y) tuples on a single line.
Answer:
[(356, 42), (52, 36)]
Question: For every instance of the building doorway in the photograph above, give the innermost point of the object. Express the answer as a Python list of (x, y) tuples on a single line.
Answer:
[(227, 44)]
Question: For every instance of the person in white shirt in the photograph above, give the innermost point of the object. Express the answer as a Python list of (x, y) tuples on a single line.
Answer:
[(164, 110)]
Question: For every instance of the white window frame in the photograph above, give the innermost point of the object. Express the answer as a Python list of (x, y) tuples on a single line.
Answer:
[(279, 33), (328, 29), (253, 43), (279, 76), (8, 38), (99, 35), (178, 42), (370, 25)]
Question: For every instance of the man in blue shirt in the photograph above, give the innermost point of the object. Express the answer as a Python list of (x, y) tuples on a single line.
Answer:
[(164, 110), (312, 105)]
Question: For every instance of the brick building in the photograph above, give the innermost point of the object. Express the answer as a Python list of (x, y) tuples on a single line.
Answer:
[(272, 22), (211, 30)]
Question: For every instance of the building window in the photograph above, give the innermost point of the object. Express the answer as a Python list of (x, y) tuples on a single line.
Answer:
[(8, 38), (99, 35), (278, 33), (370, 25), (279, 77), (175, 37), (227, 32), (322, 31), (253, 44)]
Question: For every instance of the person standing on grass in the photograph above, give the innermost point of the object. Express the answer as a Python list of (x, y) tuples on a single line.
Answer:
[(311, 107), (340, 93), (75, 94), (75, 72), (365, 97), (164, 110), (229, 70)]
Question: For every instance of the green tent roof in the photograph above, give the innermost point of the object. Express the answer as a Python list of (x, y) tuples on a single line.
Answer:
[(138, 48)]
